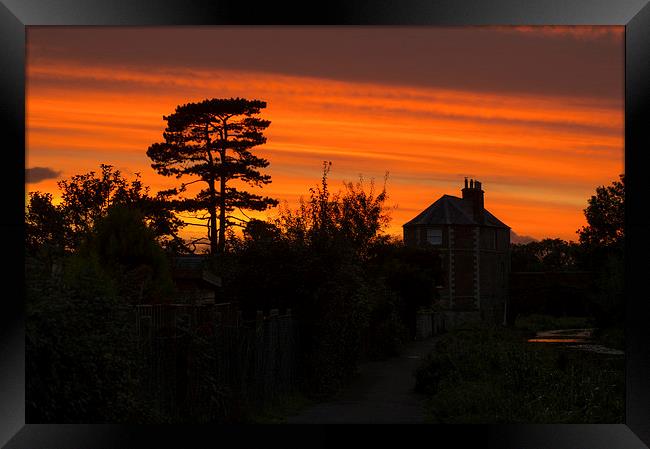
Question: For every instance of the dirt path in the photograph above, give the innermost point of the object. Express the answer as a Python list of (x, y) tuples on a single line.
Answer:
[(381, 393)]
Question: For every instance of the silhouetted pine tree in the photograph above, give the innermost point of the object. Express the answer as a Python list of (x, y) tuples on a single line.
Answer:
[(211, 141)]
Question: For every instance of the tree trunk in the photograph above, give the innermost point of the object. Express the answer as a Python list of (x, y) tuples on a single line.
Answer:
[(222, 187), (212, 207), (222, 216), (214, 244)]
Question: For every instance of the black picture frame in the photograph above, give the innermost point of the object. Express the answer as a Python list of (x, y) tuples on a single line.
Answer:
[(15, 15)]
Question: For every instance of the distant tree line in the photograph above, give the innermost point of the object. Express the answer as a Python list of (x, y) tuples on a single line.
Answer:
[(599, 252)]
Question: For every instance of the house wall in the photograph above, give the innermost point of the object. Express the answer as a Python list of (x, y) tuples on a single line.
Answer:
[(464, 251), (494, 272), (476, 261), (410, 235), (416, 236)]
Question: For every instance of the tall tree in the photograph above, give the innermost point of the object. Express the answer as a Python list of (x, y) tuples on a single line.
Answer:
[(44, 223), (601, 243), (211, 142), (605, 216)]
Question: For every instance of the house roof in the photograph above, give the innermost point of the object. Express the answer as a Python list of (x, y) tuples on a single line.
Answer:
[(453, 210), (189, 262), (193, 267)]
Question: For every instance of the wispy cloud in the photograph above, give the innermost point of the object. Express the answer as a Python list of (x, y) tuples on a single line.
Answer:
[(570, 61), (539, 154), (579, 32)]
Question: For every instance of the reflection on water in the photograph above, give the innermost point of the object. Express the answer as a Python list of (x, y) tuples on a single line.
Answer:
[(562, 336), (580, 338), (555, 340)]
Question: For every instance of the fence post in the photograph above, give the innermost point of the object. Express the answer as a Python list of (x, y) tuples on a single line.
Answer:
[(259, 357), (291, 349), (272, 370)]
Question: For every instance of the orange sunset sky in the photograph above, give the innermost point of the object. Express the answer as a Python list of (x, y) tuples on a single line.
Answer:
[(535, 113)]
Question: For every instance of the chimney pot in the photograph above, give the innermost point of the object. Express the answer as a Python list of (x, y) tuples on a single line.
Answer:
[(474, 195), (466, 182)]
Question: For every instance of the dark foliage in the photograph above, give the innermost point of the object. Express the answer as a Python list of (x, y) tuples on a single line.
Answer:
[(490, 376), (602, 245), (605, 214), (45, 226), (410, 273), (545, 255), (85, 199), (82, 363), (599, 255), (130, 255), (82, 354)]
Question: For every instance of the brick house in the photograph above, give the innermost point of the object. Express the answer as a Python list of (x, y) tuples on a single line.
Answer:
[(474, 248)]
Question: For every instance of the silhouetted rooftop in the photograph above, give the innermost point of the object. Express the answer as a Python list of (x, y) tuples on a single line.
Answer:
[(189, 262), (194, 267), (453, 210)]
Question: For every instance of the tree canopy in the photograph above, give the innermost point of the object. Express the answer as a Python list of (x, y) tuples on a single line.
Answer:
[(85, 199), (605, 214), (545, 255), (210, 142)]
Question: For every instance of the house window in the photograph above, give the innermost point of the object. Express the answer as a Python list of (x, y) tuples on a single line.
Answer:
[(491, 239), (434, 236)]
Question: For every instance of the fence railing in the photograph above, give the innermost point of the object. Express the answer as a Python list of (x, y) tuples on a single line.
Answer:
[(205, 363)]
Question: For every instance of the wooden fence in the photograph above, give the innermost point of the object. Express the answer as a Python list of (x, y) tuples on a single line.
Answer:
[(204, 363)]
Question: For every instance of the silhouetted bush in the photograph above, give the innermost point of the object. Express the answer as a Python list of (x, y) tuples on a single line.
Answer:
[(82, 356), (82, 363), (129, 253)]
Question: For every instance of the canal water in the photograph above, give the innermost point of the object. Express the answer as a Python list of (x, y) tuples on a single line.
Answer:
[(579, 339)]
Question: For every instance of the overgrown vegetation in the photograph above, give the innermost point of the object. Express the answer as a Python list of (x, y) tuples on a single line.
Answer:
[(492, 375), (354, 290), (83, 363)]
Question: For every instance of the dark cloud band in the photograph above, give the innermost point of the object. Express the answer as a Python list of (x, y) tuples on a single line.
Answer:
[(34, 175), (482, 59)]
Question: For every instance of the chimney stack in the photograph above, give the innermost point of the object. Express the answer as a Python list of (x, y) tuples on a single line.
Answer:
[(474, 194)]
